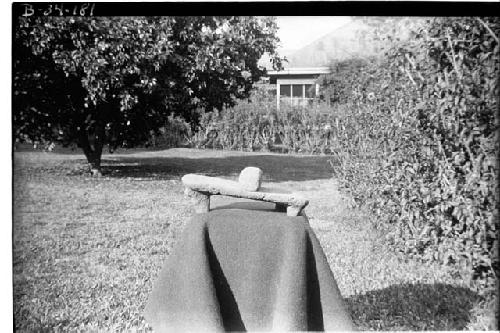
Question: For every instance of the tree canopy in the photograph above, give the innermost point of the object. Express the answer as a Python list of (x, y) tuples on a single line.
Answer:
[(98, 80)]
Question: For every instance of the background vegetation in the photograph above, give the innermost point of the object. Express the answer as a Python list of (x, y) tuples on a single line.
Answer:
[(413, 134)]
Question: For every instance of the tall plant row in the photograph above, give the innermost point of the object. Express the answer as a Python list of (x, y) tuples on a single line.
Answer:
[(254, 126)]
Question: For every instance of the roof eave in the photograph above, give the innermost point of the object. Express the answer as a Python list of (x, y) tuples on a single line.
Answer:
[(301, 71)]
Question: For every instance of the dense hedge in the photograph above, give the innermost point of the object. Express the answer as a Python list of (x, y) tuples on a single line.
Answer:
[(412, 135), (434, 174)]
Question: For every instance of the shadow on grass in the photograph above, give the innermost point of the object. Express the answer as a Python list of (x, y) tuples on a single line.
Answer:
[(413, 307), (277, 168)]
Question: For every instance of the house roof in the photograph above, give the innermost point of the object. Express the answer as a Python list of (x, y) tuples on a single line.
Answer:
[(300, 71)]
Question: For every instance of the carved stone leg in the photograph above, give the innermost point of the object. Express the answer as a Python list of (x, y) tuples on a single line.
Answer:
[(293, 210), (280, 207), (201, 201)]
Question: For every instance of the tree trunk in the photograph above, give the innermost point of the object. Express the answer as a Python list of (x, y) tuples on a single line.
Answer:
[(95, 166), (92, 144)]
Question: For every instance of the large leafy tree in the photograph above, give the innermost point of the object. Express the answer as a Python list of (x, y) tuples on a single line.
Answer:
[(111, 80)]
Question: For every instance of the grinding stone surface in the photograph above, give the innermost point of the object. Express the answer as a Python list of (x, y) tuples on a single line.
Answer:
[(218, 186)]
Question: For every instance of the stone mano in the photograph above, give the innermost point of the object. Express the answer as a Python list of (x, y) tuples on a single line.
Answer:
[(199, 188), (250, 179)]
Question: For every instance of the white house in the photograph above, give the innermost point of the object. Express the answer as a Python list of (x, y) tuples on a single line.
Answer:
[(296, 86)]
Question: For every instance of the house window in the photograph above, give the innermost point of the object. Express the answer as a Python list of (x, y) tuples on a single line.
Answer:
[(285, 90), (310, 90), (297, 90), (299, 94)]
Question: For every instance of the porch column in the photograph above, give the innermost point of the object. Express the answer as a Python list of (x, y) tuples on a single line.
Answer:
[(304, 95), (277, 95)]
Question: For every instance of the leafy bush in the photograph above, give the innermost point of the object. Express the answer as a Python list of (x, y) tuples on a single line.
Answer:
[(424, 158), (341, 86), (175, 133)]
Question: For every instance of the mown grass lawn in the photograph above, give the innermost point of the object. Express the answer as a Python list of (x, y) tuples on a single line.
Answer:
[(86, 251)]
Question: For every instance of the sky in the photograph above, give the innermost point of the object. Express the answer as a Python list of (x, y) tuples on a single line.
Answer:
[(298, 31)]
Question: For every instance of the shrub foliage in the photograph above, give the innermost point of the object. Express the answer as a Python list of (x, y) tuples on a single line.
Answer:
[(434, 175)]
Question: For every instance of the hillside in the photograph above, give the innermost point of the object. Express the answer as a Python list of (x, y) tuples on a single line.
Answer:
[(344, 42)]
